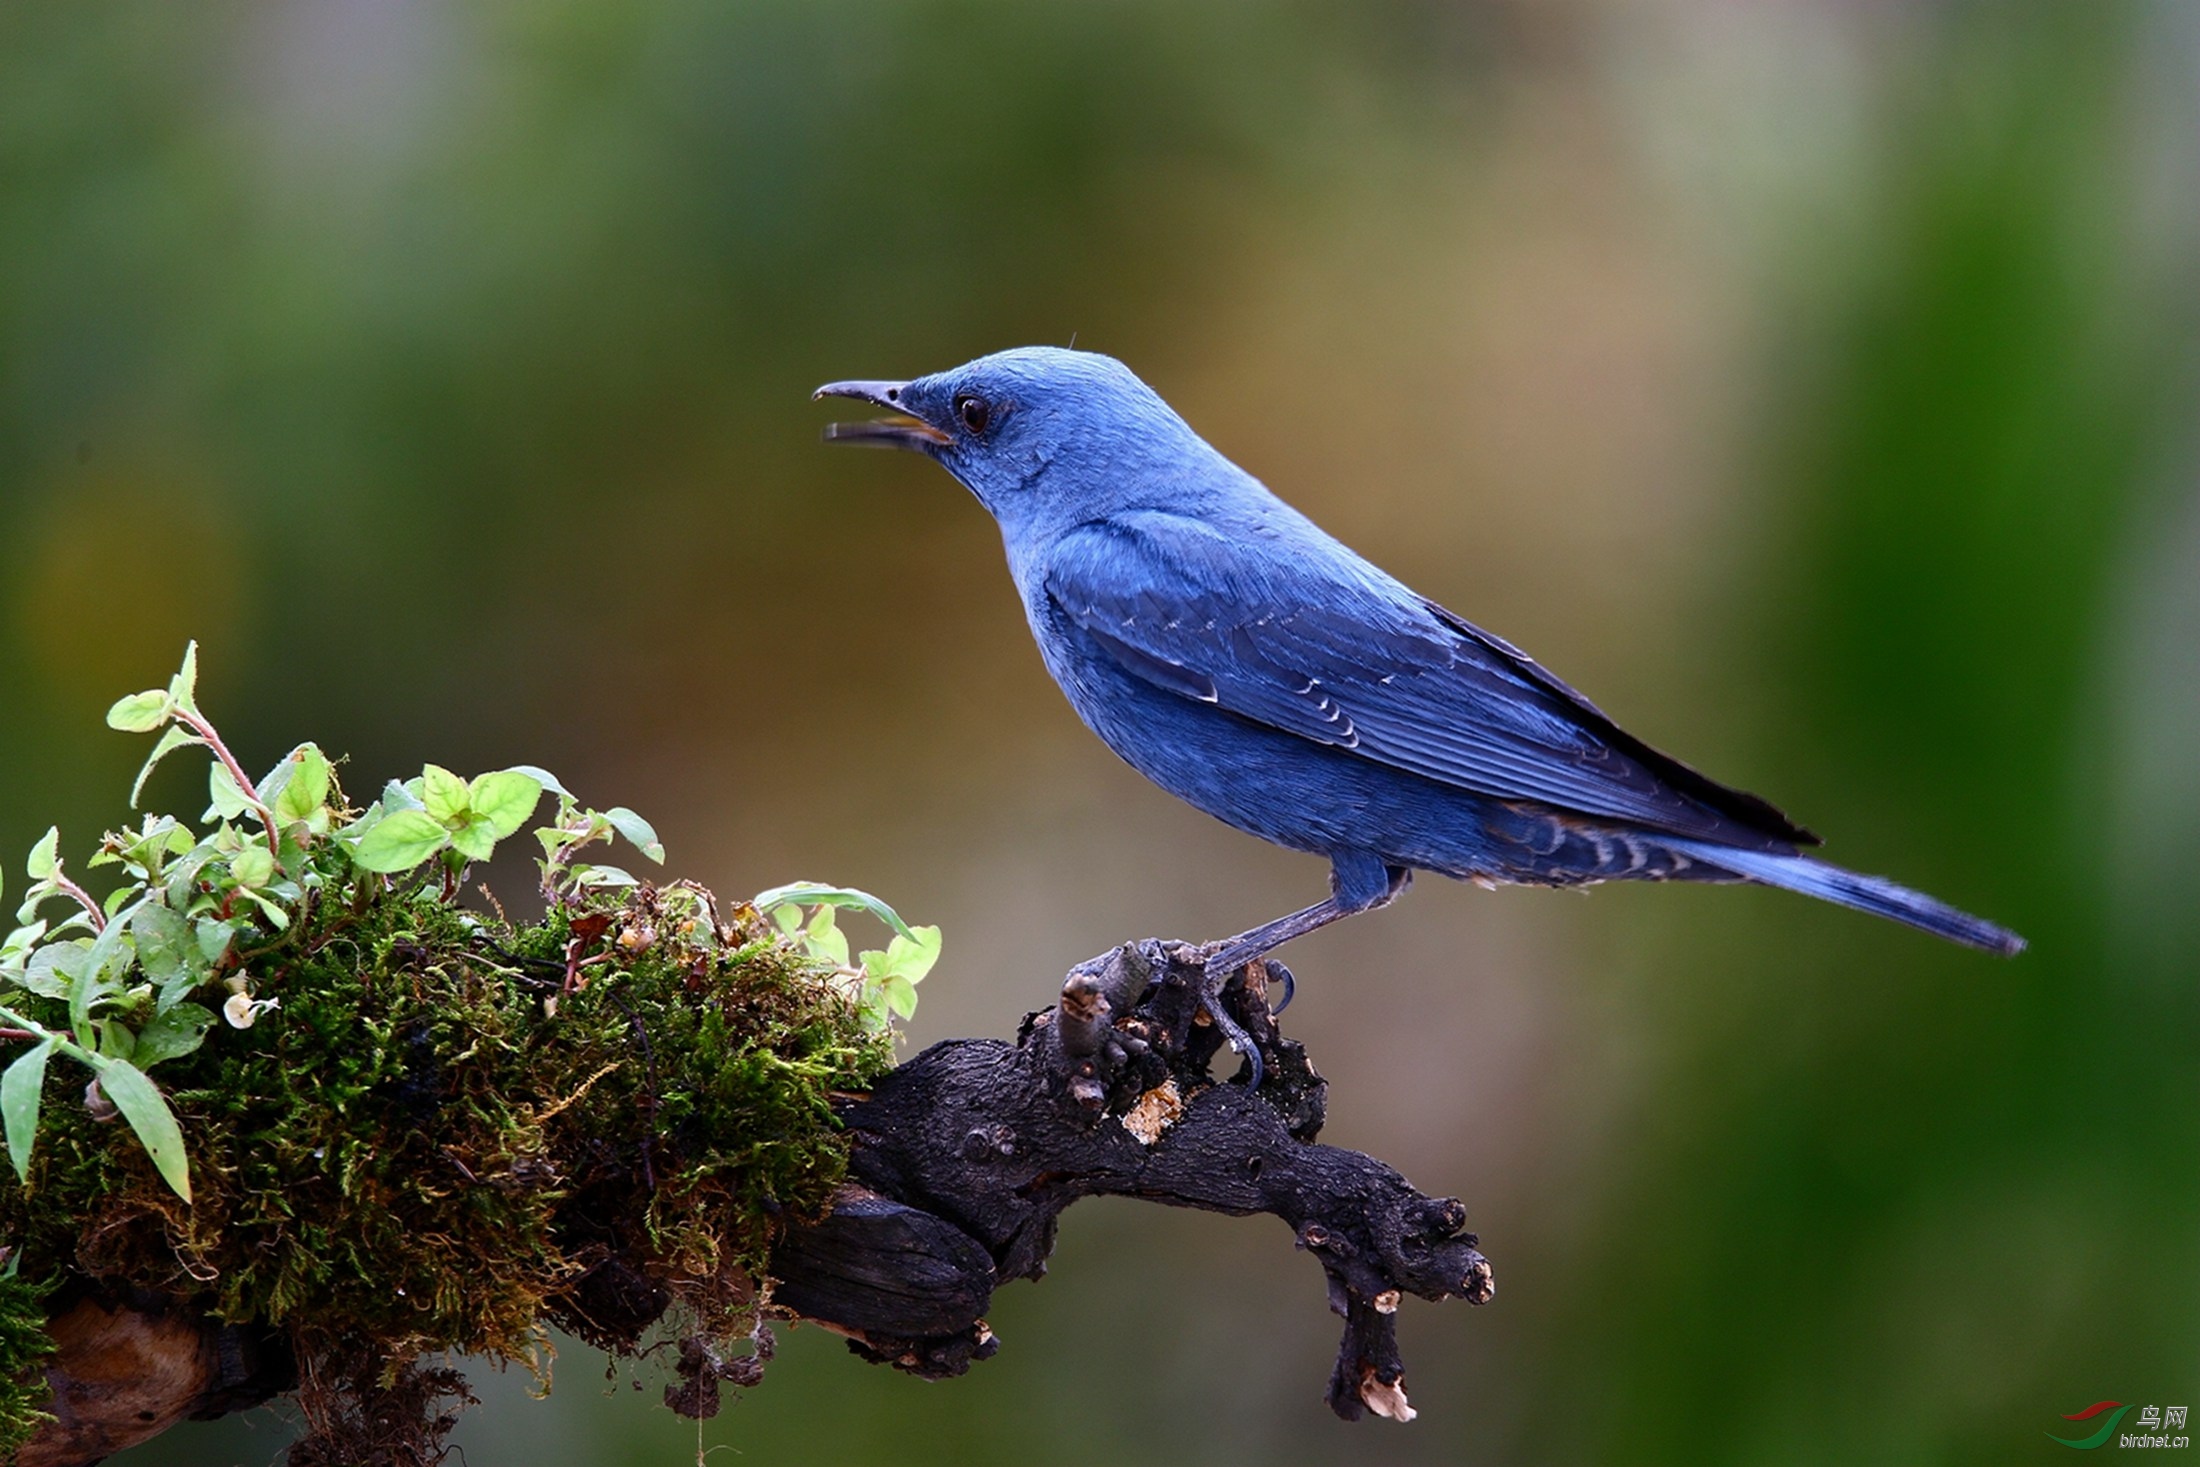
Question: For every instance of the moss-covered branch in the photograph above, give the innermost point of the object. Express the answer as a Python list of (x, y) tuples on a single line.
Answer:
[(318, 1117), (434, 1146), (684, 1201)]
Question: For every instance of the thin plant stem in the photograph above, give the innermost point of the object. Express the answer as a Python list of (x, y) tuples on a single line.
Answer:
[(205, 730)]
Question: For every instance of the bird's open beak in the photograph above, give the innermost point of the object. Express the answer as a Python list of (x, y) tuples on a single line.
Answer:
[(899, 430)]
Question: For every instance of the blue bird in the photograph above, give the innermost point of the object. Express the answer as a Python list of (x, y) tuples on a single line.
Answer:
[(1248, 663)]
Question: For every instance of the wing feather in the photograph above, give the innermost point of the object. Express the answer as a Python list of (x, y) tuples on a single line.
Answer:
[(1335, 652)]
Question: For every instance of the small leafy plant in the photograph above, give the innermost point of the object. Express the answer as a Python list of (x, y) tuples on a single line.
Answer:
[(885, 982), (417, 1127), (116, 984)]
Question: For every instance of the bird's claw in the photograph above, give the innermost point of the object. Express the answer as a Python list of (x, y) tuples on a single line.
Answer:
[(1210, 1001)]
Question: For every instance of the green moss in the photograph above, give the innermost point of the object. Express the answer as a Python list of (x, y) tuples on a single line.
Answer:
[(24, 1347), (429, 1144)]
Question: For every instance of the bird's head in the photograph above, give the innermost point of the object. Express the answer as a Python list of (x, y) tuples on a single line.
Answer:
[(1041, 435)]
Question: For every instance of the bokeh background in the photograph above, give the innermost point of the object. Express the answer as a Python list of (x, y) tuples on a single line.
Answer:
[(1812, 381)]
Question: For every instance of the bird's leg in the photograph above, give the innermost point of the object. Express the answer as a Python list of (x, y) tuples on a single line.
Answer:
[(1233, 953), (1358, 882)]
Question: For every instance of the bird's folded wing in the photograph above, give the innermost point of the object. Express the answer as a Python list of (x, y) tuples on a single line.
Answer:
[(1307, 641)]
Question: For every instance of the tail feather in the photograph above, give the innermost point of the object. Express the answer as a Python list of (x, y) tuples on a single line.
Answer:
[(1874, 894)]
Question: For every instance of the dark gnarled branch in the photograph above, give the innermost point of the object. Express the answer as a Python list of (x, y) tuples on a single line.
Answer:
[(966, 1156)]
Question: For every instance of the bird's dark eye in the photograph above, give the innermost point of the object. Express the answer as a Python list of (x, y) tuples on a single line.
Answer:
[(973, 411)]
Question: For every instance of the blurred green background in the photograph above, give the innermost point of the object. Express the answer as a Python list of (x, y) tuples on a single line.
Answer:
[(1812, 382)]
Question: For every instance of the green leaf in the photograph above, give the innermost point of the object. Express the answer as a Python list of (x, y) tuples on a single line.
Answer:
[(172, 1034), (367, 820), (45, 858), (291, 860), (504, 799), (443, 794), (811, 893), (176, 989), (901, 996), (115, 1039), (254, 866), (21, 1089), (871, 1005), (603, 876), (164, 946), (825, 939), (228, 801), (277, 918), (271, 783), (172, 738), (636, 830), (788, 917), (19, 942), (106, 956), (297, 788), (183, 877), (77, 920), (140, 712), (214, 937), (908, 957), (475, 839), (400, 841), (53, 969), (542, 777), (183, 688), (146, 1109)]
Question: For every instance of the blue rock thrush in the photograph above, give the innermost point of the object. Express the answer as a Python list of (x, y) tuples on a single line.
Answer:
[(1246, 662)]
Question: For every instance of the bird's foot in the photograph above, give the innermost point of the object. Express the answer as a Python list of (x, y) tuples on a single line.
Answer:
[(1114, 983), (1210, 1003)]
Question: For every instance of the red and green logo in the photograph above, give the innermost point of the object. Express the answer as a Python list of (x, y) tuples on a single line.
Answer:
[(2099, 1438)]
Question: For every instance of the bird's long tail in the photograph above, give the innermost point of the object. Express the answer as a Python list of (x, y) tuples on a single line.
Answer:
[(1874, 894)]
